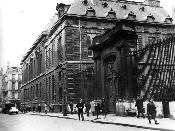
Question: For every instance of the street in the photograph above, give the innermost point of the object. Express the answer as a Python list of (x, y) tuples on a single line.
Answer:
[(26, 122)]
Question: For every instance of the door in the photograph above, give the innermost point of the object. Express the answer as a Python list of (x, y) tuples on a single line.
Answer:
[(110, 83)]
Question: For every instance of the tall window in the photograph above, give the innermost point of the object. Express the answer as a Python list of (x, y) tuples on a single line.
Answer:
[(40, 89), (13, 76), (139, 41), (36, 90), (13, 85), (53, 88), (13, 95)]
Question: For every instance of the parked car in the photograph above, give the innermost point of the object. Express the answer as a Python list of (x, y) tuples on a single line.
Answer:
[(6, 107), (13, 110)]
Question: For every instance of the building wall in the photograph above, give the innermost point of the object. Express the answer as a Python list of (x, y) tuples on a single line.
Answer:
[(11, 84), (62, 58)]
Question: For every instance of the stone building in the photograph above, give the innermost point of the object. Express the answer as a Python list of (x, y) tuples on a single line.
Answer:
[(59, 67), (130, 58), (11, 83), (59, 62)]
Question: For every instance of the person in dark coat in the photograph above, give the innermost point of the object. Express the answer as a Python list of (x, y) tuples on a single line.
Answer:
[(97, 109), (104, 107), (80, 107), (88, 106), (33, 108), (151, 111), (39, 108), (139, 105), (71, 107)]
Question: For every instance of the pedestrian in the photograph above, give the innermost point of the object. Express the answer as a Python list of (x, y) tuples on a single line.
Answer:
[(88, 106), (92, 104), (104, 107), (97, 109), (51, 107), (151, 111), (139, 105), (71, 107), (39, 108), (45, 108), (33, 108), (80, 107)]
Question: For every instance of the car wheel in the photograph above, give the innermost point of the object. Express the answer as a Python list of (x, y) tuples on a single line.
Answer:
[(16, 112)]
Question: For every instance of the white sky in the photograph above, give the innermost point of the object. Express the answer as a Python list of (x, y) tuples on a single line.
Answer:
[(22, 21)]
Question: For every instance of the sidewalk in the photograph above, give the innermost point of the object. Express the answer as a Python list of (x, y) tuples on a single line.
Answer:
[(165, 124)]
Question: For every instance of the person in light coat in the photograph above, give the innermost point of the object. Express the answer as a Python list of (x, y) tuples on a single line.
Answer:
[(92, 103)]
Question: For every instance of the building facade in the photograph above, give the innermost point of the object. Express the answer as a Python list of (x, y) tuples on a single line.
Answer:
[(1, 76), (59, 67), (11, 83), (136, 57)]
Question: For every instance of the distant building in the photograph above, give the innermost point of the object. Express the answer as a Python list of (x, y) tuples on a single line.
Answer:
[(12, 80)]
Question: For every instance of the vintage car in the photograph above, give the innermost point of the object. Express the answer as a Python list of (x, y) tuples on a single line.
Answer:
[(13, 110)]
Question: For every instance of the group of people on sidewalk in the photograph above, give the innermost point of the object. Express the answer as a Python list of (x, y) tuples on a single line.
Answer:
[(95, 107), (36, 108), (151, 109), (98, 108)]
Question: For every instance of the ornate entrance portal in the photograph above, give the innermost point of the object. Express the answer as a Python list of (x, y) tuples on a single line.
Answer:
[(115, 72)]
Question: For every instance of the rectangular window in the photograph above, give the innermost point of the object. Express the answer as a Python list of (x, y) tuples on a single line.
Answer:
[(13, 85), (13, 95), (13, 76)]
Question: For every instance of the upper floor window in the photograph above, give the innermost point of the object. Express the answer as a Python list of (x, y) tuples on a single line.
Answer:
[(85, 2), (105, 5), (90, 12), (150, 18), (124, 7), (89, 41), (111, 14), (13, 76)]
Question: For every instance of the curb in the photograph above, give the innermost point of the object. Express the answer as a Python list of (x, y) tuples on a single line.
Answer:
[(112, 123), (129, 125)]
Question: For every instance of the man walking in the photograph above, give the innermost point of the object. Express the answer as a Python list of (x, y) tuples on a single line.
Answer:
[(80, 107), (97, 109), (45, 108), (88, 106), (39, 108), (151, 111), (139, 105), (104, 107)]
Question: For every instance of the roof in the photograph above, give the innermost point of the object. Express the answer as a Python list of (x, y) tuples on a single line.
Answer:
[(44, 33), (122, 8), (117, 6)]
